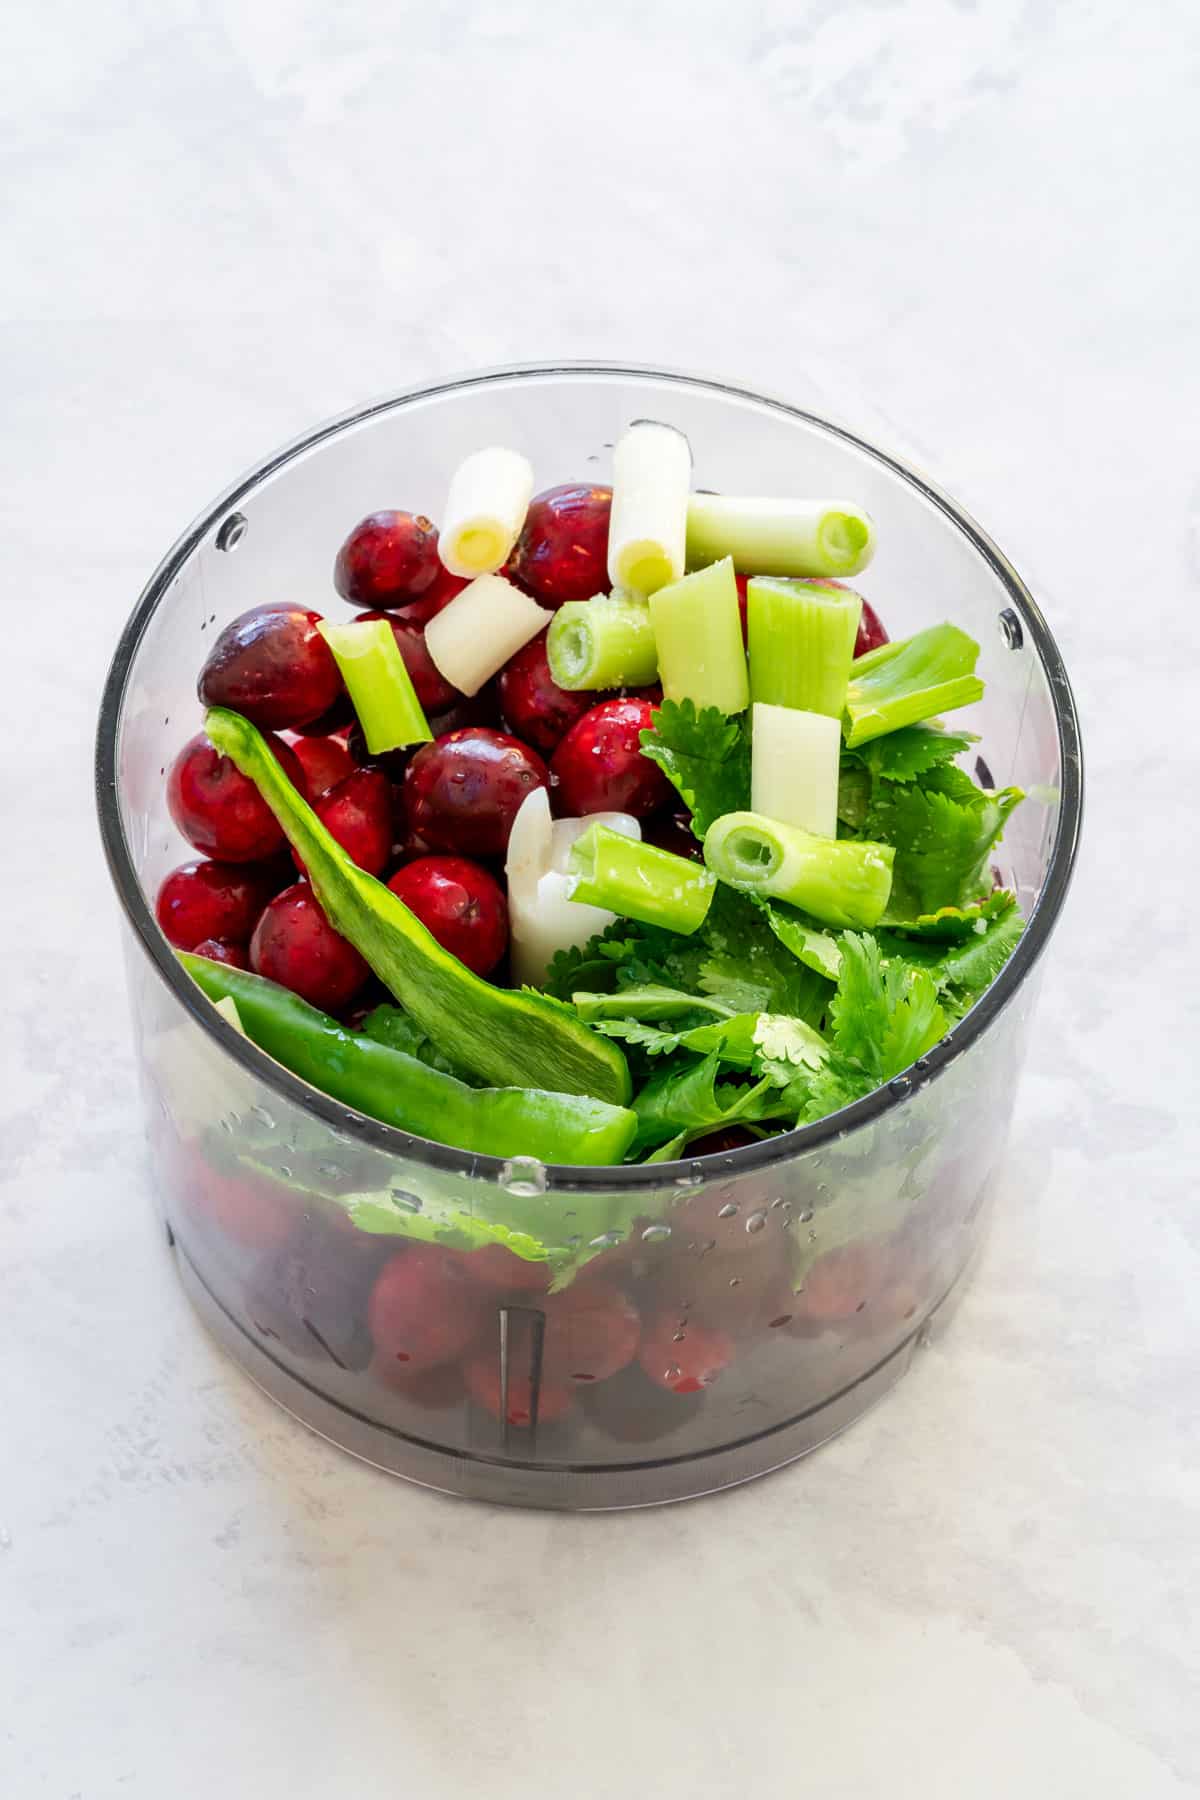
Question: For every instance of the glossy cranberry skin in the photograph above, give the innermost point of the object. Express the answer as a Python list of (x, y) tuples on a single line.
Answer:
[(687, 1364), (439, 594), (273, 666), (562, 552), (740, 581), (432, 689), (871, 631), (720, 1143), (219, 950), (600, 766), (325, 761), (339, 718), (389, 559), (673, 832), (218, 809), (532, 704), (358, 813), (463, 791), (295, 945), (211, 900), (461, 904), (423, 1309)]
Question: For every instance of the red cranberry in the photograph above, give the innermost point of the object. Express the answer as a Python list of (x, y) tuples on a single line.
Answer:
[(310, 1296), (433, 1390), (463, 791), (683, 1359), (423, 1310), (562, 552), (254, 1213), (591, 1331), (272, 665), (635, 1410), (741, 581), (871, 632), (211, 900), (437, 596), (389, 559), (600, 766), (482, 1375), (461, 904), (431, 687), (720, 1143), (501, 1271), (325, 761), (532, 703), (218, 950), (673, 832), (295, 945), (218, 809), (358, 813), (841, 1282), (339, 718)]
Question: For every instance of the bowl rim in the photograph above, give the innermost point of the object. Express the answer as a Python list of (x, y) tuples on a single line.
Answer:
[(751, 1158)]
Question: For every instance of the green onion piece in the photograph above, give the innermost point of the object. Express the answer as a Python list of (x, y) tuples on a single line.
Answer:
[(839, 882), (901, 684), (779, 537), (698, 629), (607, 642), (639, 881), (379, 684), (801, 643)]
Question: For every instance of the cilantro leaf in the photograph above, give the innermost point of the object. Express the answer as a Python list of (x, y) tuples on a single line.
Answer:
[(705, 755), (813, 944), (962, 968), (913, 750), (732, 1039), (943, 831), (392, 1026), (885, 1013), (689, 1099)]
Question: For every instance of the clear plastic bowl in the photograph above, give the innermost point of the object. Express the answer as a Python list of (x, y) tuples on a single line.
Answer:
[(798, 1272)]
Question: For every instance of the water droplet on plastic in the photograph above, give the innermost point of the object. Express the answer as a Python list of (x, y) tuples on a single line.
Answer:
[(605, 1241), (524, 1176), (756, 1221), (706, 1246), (331, 1171), (263, 1116), (806, 1217), (226, 1125), (779, 1202), (921, 1063), (574, 1241), (783, 1319), (656, 1234), (406, 1202), (728, 1211), (735, 1281), (812, 1237), (285, 1171), (900, 1086), (672, 1372), (677, 1337)]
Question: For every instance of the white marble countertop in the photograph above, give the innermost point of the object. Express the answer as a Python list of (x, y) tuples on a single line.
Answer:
[(967, 230)]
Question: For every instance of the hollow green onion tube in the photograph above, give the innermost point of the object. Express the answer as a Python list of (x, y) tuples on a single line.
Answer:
[(839, 882), (386, 1084), (378, 683), (903, 683), (506, 1037), (802, 637), (698, 630), (607, 642), (779, 537), (639, 881)]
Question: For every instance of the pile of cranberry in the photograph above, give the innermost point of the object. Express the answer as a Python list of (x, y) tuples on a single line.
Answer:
[(433, 822)]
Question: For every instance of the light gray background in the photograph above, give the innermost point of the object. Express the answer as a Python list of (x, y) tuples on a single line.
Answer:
[(968, 229)]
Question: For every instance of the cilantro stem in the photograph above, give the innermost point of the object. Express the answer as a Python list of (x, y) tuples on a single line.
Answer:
[(607, 642), (844, 882), (802, 637), (639, 881), (379, 684)]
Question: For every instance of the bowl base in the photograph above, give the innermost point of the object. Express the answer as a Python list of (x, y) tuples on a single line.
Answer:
[(576, 1487)]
